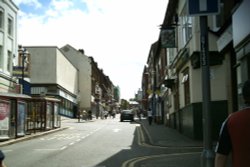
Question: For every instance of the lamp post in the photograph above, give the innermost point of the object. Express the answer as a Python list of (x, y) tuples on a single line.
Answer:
[(23, 54)]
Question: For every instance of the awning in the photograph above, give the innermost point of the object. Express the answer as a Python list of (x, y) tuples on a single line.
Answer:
[(14, 95)]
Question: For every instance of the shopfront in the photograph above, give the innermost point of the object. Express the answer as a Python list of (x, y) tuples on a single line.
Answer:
[(43, 114), (13, 112)]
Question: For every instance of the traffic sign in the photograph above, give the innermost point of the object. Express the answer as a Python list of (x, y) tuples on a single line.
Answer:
[(203, 7)]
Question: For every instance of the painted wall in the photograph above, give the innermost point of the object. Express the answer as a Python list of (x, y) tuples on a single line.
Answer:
[(50, 66), (83, 64), (67, 74), (43, 65)]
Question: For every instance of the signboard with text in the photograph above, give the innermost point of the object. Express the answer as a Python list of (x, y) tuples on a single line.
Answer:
[(203, 7), (168, 37)]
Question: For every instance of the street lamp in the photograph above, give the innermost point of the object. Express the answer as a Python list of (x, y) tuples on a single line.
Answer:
[(23, 54)]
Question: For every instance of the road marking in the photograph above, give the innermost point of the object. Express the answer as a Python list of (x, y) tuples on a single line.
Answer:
[(116, 130), (64, 147), (48, 149), (133, 161), (5, 151)]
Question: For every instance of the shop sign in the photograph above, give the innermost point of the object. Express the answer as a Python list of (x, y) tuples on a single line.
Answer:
[(168, 37)]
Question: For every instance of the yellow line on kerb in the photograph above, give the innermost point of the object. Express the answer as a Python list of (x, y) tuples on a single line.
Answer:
[(141, 139)]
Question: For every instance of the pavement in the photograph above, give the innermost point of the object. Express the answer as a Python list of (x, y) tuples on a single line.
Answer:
[(35, 135), (178, 150)]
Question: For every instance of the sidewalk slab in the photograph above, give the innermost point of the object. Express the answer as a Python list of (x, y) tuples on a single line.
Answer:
[(161, 135)]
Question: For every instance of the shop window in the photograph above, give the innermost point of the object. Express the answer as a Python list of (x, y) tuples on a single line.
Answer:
[(4, 118)]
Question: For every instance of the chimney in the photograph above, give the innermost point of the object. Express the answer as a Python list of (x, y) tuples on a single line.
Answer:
[(81, 51)]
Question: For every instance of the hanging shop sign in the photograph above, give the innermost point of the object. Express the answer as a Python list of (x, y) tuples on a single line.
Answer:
[(168, 37)]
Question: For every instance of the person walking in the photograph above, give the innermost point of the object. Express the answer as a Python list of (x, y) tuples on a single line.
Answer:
[(150, 116), (235, 135)]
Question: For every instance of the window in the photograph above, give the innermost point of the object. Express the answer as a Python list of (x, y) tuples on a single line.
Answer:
[(219, 18), (171, 55), (1, 56), (186, 25), (186, 28), (10, 26), (1, 18), (9, 63)]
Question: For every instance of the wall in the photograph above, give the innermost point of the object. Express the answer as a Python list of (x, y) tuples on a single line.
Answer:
[(43, 65), (66, 73), (8, 43), (82, 62)]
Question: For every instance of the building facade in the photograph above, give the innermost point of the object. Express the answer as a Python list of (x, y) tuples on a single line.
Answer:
[(8, 45), (177, 65), (52, 74), (83, 64)]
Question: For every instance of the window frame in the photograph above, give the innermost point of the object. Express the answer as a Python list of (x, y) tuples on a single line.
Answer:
[(1, 18), (10, 26), (9, 61), (186, 26)]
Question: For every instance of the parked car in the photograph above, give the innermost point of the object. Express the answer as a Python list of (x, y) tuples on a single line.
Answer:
[(127, 115)]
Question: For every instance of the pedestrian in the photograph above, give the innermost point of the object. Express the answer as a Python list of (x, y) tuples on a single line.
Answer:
[(90, 115), (150, 116), (1, 159), (235, 135), (139, 113)]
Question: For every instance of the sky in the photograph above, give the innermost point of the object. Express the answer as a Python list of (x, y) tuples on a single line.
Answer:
[(118, 34)]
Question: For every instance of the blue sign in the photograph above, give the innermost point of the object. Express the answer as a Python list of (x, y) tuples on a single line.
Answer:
[(203, 7)]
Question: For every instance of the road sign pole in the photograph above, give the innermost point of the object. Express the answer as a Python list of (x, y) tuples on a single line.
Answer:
[(208, 153)]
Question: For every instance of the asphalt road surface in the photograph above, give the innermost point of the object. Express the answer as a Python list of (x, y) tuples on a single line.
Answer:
[(98, 143)]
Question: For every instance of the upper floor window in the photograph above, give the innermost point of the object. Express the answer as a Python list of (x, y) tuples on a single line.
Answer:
[(10, 26), (1, 18), (9, 63), (171, 55), (186, 25), (1, 56)]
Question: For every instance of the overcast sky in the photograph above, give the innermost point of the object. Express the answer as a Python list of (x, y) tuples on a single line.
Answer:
[(116, 33)]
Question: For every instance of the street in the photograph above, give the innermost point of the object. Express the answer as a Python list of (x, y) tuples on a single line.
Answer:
[(97, 143)]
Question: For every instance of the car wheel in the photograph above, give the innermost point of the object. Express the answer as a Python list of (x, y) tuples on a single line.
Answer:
[(121, 120)]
